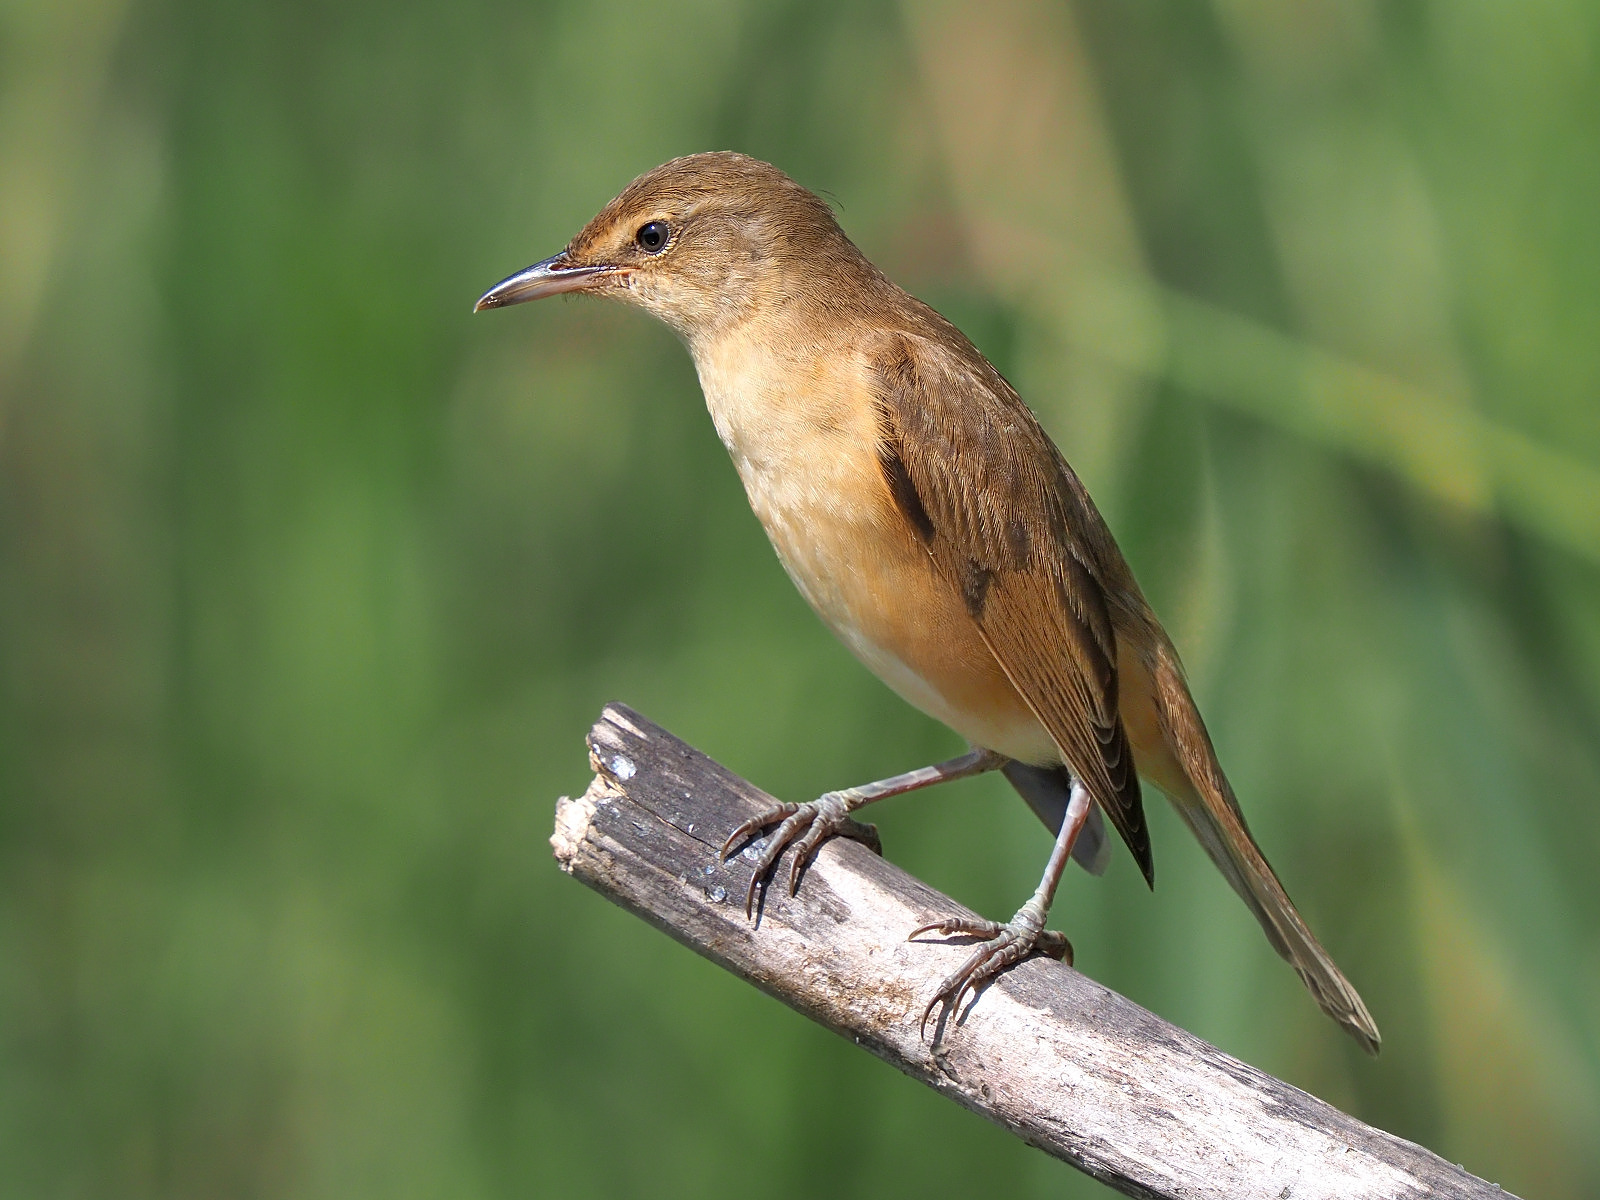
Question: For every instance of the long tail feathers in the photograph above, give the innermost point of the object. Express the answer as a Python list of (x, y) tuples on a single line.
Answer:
[(1208, 807)]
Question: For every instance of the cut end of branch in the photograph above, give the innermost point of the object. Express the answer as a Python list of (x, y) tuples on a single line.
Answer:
[(573, 818)]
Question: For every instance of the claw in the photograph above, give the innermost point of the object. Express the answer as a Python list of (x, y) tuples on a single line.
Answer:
[(750, 896)]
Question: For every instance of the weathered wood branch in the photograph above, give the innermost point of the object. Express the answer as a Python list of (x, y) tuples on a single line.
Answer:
[(1049, 1054)]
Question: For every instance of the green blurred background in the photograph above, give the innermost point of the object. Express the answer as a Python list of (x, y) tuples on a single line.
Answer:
[(311, 582)]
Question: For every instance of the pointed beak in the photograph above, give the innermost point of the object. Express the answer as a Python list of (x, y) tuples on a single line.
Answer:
[(548, 278)]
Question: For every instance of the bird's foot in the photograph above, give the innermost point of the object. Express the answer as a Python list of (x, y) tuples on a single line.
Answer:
[(1002, 946), (812, 824)]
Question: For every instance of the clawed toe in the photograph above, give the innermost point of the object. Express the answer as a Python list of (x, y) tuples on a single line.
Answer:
[(1002, 947), (958, 927), (778, 812), (807, 826)]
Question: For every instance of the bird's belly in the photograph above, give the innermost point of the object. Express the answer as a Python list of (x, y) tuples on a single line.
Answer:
[(812, 475), (861, 567)]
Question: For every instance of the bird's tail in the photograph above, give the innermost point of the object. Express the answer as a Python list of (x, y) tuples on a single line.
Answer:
[(1206, 803)]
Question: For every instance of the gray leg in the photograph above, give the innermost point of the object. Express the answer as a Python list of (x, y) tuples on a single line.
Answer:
[(1006, 944), (1048, 791), (829, 814)]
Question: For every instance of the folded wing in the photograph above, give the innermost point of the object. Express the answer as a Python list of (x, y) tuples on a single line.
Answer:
[(999, 511)]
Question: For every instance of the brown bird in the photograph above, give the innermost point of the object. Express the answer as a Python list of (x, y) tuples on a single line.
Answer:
[(933, 525)]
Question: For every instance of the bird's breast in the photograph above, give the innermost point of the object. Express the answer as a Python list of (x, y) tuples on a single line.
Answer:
[(803, 434)]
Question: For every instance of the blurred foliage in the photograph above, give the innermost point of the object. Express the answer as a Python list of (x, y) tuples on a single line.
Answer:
[(311, 583)]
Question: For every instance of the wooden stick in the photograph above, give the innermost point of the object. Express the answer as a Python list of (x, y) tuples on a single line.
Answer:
[(1049, 1054)]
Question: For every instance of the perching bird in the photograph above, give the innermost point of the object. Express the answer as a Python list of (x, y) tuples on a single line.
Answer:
[(933, 525)]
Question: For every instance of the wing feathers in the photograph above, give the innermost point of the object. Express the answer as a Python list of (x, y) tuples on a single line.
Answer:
[(1003, 518)]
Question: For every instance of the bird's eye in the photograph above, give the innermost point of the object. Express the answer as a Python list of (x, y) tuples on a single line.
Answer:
[(652, 237)]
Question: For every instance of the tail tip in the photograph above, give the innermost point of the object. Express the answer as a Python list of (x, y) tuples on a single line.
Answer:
[(1366, 1036)]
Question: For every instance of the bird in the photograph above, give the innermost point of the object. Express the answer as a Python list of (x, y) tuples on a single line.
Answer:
[(924, 513)]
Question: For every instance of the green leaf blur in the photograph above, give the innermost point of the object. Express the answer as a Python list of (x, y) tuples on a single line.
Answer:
[(311, 582)]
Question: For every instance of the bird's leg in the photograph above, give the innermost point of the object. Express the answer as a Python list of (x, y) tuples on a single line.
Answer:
[(817, 820), (1010, 943)]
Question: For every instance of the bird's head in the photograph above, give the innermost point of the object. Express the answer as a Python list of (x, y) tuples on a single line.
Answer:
[(703, 242)]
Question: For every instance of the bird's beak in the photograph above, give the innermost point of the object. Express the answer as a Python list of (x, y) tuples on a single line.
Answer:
[(548, 278)]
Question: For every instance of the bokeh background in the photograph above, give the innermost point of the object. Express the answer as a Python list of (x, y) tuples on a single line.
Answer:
[(311, 582)]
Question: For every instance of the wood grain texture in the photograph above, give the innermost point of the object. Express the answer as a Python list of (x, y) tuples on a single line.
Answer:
[(1060, 1061)]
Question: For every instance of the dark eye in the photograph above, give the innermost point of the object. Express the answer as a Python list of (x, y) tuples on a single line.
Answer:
[(652, 237)]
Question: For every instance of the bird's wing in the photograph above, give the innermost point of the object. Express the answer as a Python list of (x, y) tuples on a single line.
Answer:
[(1005, 520)]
